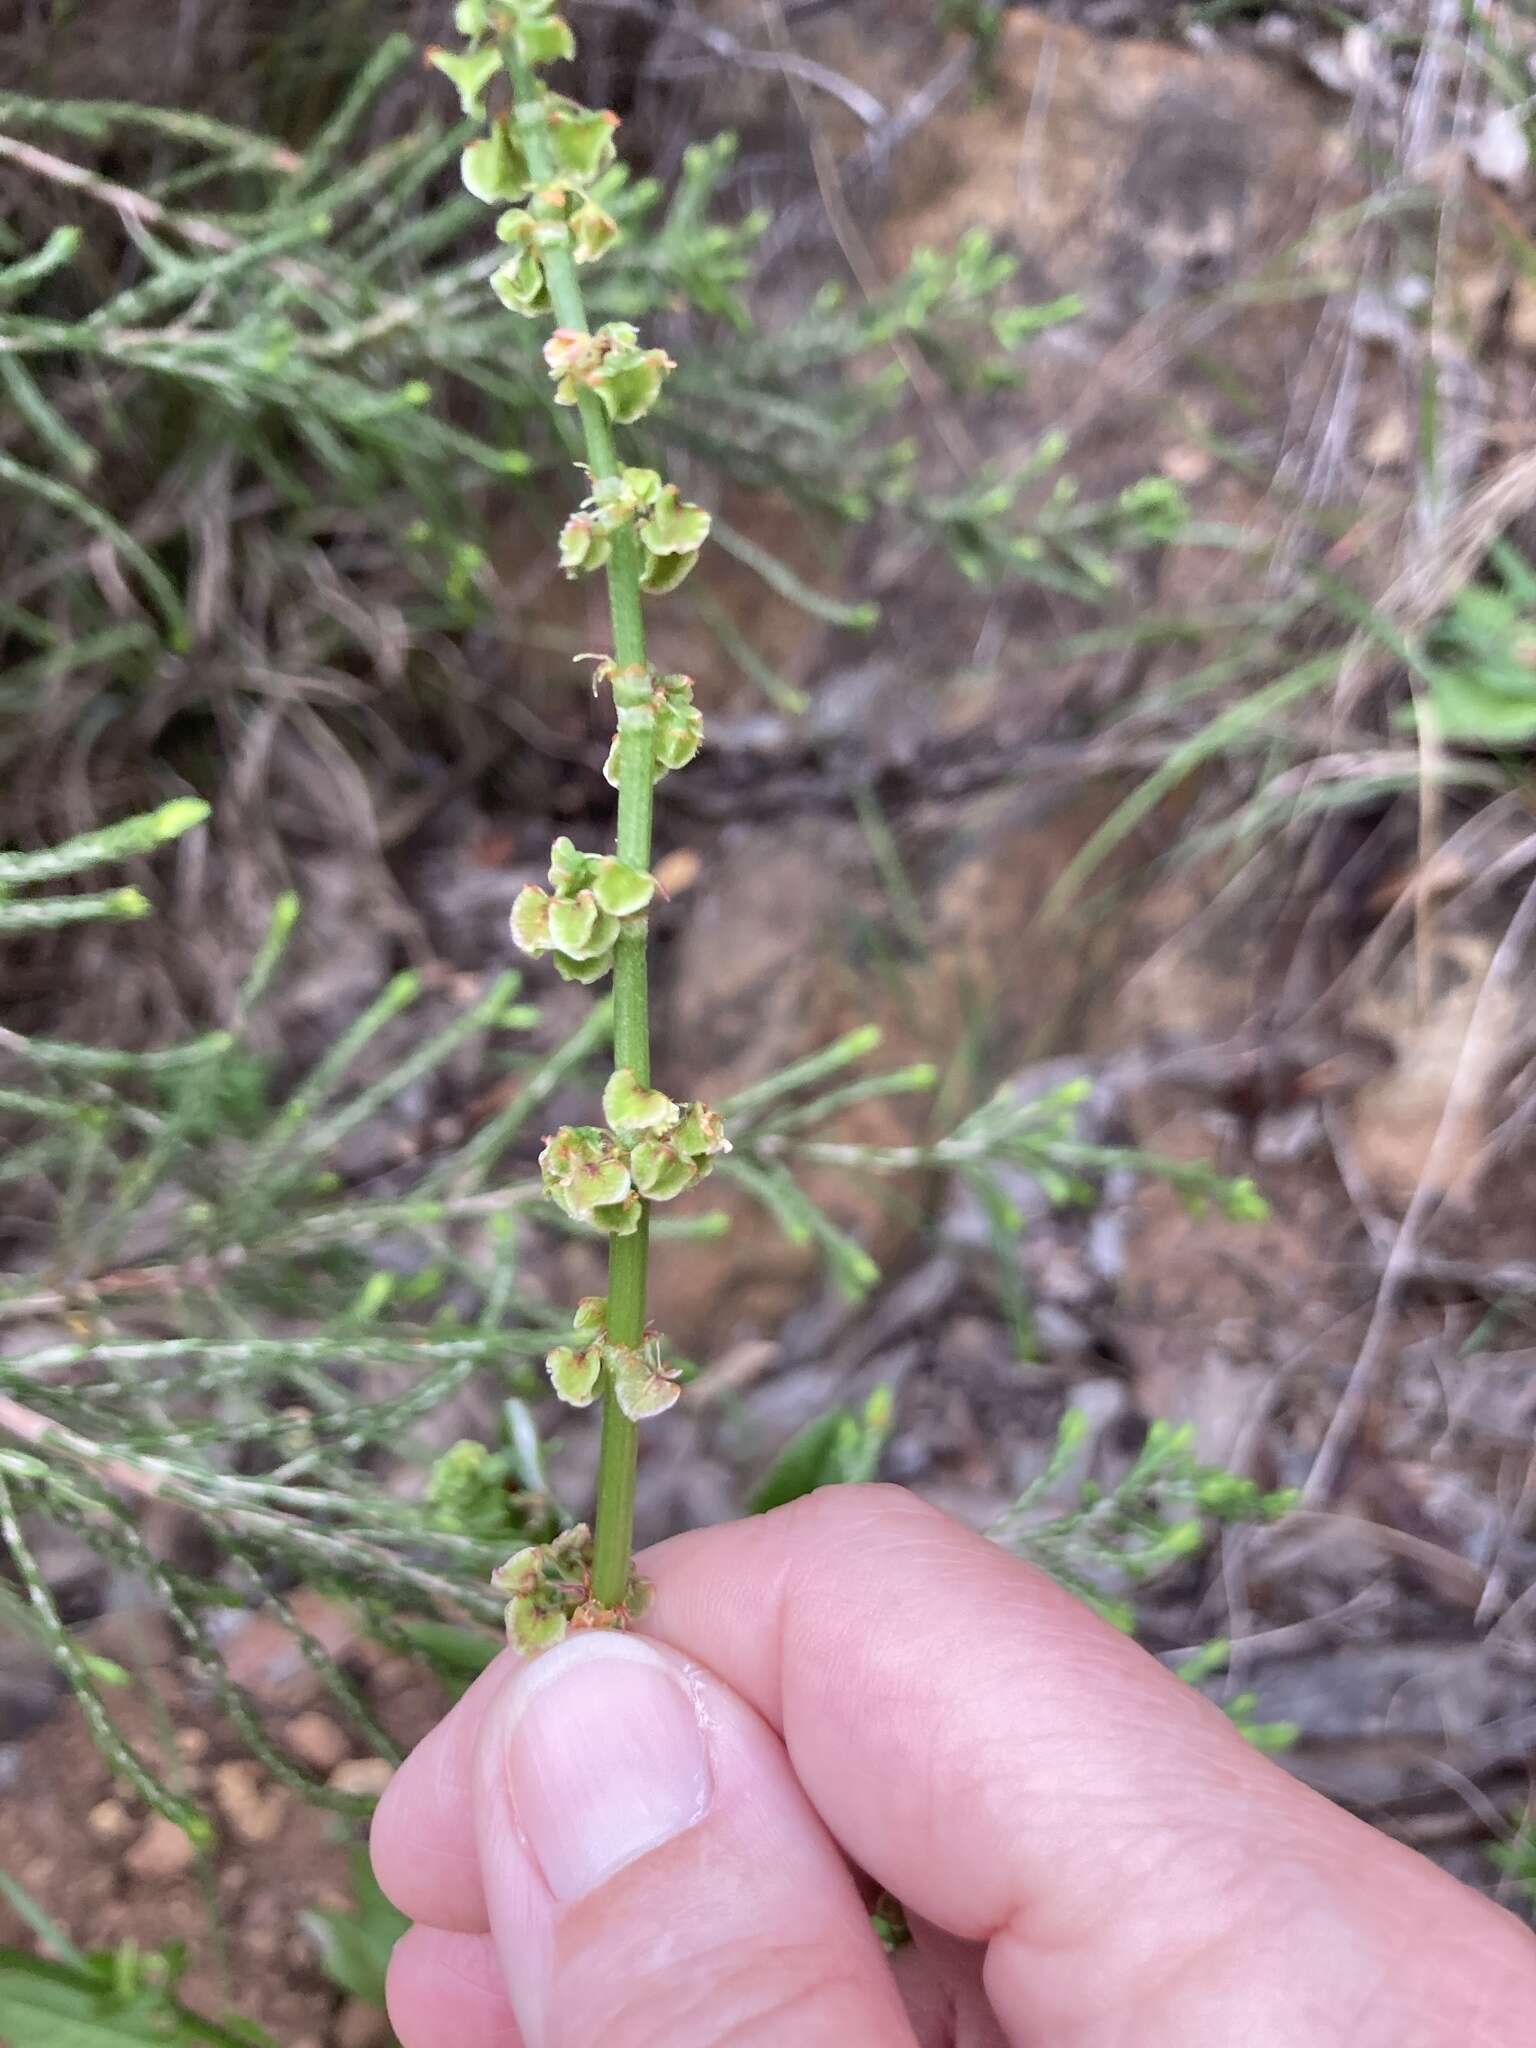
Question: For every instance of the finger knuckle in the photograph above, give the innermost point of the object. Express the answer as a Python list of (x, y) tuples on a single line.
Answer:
[(844, 1513), (742, 1996)]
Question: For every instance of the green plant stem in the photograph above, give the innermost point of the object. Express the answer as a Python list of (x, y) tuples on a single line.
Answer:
[(613, 1536)]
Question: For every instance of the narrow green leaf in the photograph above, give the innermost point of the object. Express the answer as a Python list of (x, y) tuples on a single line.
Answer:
[(125, 840), (49, 912)]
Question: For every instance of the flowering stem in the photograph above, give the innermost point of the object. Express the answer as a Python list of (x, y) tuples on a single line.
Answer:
[(628, 1256)]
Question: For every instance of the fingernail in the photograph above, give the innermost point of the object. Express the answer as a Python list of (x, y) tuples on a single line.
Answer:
[(605, 1758)]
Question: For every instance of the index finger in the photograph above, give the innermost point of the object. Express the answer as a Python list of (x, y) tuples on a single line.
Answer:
[(1020, 1773)]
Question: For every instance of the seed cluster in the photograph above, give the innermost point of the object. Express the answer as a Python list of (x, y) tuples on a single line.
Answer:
[(548, 163)]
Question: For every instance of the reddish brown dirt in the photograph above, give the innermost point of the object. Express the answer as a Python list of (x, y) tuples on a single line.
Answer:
[(94, 1858)]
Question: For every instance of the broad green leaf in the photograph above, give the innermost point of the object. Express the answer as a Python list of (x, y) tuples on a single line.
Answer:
[(805, 1463), (840, 1448), (457, 1655), (355, 1947), (107, 2001)]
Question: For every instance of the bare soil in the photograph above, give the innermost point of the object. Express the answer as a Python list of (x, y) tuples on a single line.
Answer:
[(108, 1871)]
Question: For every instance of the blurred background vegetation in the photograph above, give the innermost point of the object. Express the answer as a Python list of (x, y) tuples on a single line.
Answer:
[(1104, 905)]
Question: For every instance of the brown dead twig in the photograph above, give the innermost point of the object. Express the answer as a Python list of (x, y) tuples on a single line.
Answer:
[(138, 209), (925, 383), (1402, 1262)]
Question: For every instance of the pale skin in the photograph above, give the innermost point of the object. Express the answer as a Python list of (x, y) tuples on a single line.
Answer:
[(1090, 1856)]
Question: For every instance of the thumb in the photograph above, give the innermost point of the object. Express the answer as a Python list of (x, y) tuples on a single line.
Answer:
[(653, 1872)]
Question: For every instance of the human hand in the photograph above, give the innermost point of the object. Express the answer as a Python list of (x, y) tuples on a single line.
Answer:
[(663, 1841)]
